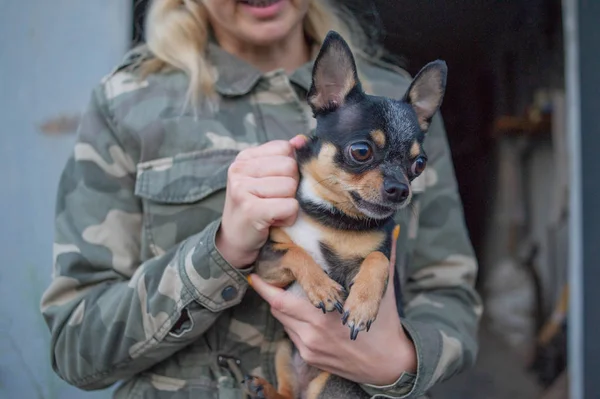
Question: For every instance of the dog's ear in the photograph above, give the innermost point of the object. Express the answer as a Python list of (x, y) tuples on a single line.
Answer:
[(334, 75), (426, 91)]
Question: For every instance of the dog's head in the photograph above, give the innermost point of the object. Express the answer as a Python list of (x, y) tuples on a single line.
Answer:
[(367, 149)]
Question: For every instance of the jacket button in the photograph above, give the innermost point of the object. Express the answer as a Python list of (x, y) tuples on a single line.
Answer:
[(229, 293)]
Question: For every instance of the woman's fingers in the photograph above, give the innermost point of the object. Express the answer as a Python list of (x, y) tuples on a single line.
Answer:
[(269, 149)]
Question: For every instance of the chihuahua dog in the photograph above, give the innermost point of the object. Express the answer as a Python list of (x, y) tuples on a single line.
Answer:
[(355, 173)]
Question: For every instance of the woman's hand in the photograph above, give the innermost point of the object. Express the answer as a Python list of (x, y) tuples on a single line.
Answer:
[(261, 189), (377, 357)]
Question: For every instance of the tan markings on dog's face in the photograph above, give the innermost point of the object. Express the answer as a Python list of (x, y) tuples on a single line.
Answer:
[(378, 138), (368, 184), (415, 150), (331, 183)]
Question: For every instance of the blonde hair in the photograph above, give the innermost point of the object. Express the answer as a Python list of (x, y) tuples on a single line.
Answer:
[(177, 33)]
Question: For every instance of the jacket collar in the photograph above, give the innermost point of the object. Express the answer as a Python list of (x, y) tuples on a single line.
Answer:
[(236, 77)]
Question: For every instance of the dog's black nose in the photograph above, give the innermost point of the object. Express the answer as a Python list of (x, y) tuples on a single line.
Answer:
[(395, 191)]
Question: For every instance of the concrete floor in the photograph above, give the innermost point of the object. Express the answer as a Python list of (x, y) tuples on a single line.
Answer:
[(498, 374)]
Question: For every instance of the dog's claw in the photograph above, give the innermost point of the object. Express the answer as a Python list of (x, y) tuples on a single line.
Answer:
[(357, 320), (322, 307), (353, 333), (339, 307), (345, 317), (324, 294)]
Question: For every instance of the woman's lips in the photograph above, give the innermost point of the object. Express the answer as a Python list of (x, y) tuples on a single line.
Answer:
[(259, 3), (262, 9)]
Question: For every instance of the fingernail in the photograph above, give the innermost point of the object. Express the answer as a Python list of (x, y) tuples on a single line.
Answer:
[(249, 278), (301, 136), (396, 231)]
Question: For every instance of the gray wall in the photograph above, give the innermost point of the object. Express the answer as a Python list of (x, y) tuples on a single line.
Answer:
[(51, 54)]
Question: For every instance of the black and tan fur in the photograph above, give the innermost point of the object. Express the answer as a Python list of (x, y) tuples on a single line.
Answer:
[(355, 173)]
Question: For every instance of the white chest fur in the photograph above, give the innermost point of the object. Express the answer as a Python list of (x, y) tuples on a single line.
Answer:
[(307, 236)]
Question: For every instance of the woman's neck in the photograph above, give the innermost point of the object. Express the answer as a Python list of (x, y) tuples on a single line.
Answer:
[(289, 54)]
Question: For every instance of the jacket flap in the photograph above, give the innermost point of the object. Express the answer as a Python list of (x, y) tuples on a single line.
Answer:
[(188, 177)]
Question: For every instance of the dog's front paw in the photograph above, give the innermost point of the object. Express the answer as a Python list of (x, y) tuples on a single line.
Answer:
[(366, 292), (326, 294), (359, 313)]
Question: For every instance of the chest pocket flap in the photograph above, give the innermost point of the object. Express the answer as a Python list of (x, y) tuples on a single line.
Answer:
[(185, 178), (181, 195)]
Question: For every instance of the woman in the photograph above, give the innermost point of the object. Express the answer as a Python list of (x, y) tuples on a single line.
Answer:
[(183, 161)]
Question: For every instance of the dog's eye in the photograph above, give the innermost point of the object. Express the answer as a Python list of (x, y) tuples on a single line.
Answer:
[(361, 152), (418, 166)]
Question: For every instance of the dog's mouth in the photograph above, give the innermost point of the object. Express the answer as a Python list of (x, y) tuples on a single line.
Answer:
[(372, 209)]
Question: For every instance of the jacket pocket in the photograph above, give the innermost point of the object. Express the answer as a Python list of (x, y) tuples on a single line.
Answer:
[(181, 195)]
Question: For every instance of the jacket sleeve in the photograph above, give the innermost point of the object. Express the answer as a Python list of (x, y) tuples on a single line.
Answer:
[(442, 308), (109, 314)]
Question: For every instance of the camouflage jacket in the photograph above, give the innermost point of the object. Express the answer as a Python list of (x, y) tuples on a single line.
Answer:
[(140, 294)]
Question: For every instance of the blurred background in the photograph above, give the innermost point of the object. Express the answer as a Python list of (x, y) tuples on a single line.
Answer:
[(506, 113)]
